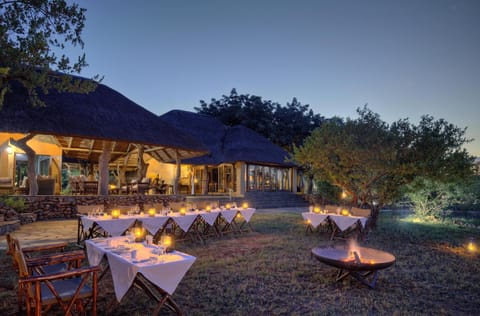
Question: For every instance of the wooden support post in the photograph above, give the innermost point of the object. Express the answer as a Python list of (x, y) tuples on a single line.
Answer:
[(103, 161), (177, 174)]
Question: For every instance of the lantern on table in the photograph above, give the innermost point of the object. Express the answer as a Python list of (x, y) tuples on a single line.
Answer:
[(208, 208), (228, 206), (151, 212), (316, 210), (345, 212), (245, 205), (139, 233), (183, 211), (168, 243), (115, 213)]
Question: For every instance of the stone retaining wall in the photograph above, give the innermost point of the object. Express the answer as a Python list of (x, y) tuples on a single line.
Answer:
[(48, 207)]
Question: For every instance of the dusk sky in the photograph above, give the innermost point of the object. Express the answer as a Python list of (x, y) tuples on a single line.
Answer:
[(403, 58)]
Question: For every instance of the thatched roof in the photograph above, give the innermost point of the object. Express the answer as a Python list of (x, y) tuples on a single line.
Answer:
[(79, 122), (226, 144)]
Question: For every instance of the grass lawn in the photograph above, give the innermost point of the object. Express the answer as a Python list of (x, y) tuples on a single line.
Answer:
[(271, 272)]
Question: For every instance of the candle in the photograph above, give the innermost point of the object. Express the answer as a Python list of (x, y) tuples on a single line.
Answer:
[(115, 213), (245, 205), (208, 208), (151, 212), (316, 209), (183, 211)]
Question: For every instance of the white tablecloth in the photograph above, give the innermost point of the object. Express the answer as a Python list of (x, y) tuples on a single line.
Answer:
[(184, 221), (344, 222), (153, 224), (209, 217), (115, 227), (247, 213), (228, 215), (314, 218), (166, 275)]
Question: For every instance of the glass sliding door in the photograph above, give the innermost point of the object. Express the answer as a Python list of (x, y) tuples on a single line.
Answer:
[(267, 178), (221, 178)]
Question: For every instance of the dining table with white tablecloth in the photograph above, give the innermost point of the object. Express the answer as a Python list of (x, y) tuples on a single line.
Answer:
[(338, 223), (127, 261), (155, 224)]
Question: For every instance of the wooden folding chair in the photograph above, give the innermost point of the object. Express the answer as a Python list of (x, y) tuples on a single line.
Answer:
[(42, 263), (69, 289)]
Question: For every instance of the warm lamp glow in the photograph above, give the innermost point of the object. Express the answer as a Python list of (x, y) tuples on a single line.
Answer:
[(471, 246), (208, 208), (344, 195), (345, 212), (115, 213), (167, 241), (9, 150), (245, 205), (139, 233), (316, 209), (309, 221), (228, 206), (151, 212), (183, 211)]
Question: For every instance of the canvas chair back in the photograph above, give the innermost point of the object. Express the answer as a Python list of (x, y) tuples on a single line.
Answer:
[(177, 205), (332, 209), (356, 211), (156, 206), (67, 289), (85, 209)]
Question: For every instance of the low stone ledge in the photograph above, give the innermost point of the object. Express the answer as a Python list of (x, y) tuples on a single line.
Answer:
[(8, 226), (26, 218)]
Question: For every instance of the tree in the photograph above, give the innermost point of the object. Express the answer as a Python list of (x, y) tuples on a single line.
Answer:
[(293, 123), (372, 161), (284, 126), (248, 110), (431, 197), (30, 32)]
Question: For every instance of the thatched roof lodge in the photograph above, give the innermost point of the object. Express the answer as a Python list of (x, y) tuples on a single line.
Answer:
[(192, 152), (239, 159), (77, 126)]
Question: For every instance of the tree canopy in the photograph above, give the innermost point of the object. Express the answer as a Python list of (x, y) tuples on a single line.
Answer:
[(285, 126), (371, 161), (31, 31)]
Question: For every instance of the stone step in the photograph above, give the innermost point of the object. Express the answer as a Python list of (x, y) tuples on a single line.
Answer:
[(8, 226), (275, 199)]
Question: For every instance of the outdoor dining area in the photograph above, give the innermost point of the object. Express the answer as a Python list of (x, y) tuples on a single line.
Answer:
[(182, 221), (137, 249), (340, 222)]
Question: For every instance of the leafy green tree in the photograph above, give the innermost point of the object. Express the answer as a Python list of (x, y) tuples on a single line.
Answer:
[(372, 161), (30, 33), (293, 123), (284, 126), (247, 110), (431, 197)]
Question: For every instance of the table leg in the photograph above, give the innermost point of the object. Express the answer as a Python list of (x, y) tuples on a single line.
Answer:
[(156, 293)]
